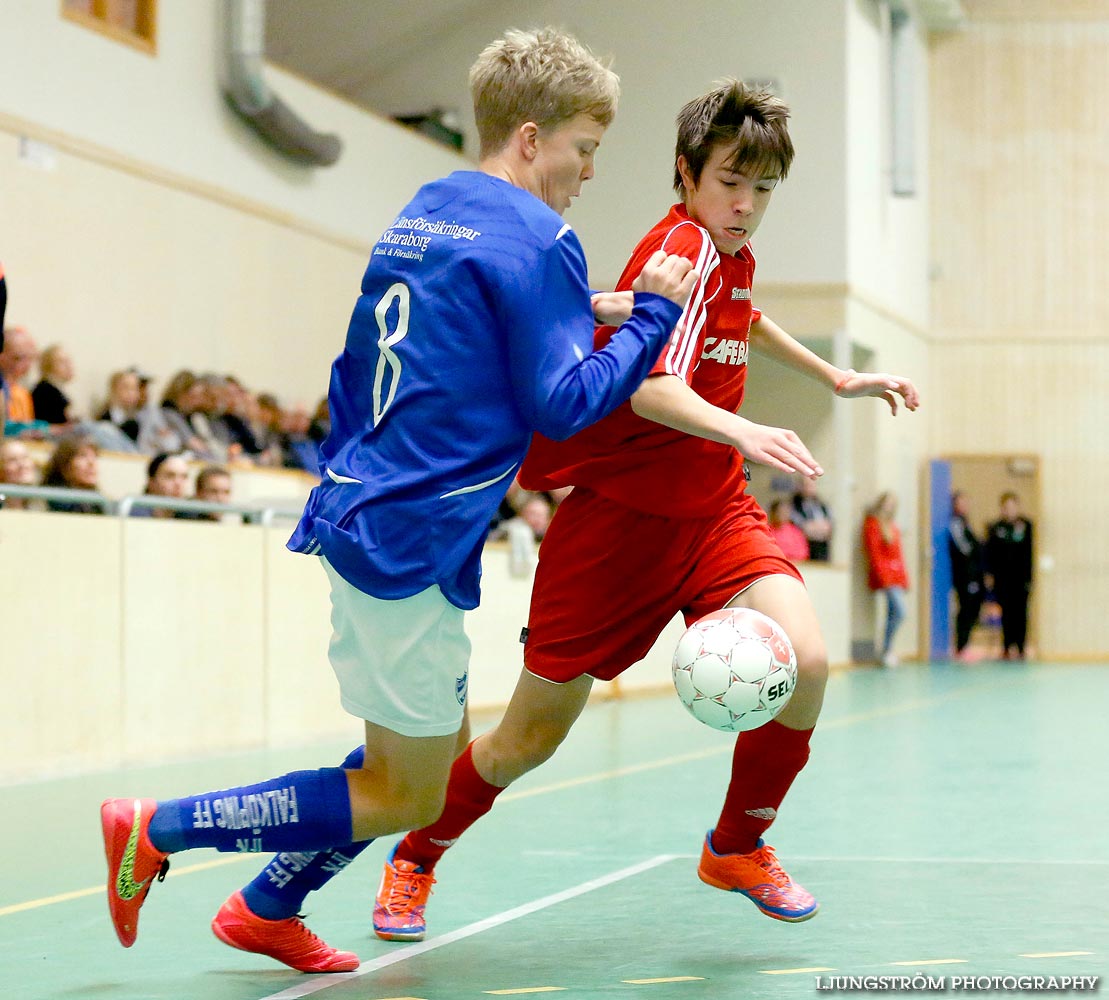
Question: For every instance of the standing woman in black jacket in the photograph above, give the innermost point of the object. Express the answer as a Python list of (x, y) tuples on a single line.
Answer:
[(1009, 562)]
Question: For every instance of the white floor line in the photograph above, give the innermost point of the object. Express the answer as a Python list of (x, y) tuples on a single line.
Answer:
[(318, 983), (1079, 862)]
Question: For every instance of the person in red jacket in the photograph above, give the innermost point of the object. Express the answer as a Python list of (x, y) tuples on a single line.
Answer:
[(882, 542)]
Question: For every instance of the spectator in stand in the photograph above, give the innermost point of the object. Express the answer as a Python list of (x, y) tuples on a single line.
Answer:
[(74, 465), (882, 542), (17, 467), (790, 538), (238, 419), (166, 428), (535, 509), (205, 417), (536, 513), (16, 360), (49, 398), (3, 309), (812, 516), (267, 430), (213, 484), (167, 475), (301, 452), (321, 422), (124, 403)]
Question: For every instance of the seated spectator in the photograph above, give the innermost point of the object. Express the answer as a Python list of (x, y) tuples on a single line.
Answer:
[(320, 427), (16, 360), (790, 538), (536, 512), (213, 485), (3, 308), (204, 414), (237, 420), (74, 465), (167, 475), (124, 403), (300, 451), (49, 398), (166, 428), (535, 509), (17, 467), (267, 429)]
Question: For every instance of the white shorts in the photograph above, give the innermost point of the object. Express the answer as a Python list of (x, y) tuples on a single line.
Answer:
[(402, 665)]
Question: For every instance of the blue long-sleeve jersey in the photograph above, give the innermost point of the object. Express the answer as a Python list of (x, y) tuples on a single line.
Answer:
[(474, 328)]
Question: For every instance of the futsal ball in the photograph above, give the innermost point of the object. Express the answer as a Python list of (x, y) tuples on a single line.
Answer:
[(735, 669)]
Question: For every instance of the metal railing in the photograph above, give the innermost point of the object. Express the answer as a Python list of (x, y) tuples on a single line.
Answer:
[(253, 513)]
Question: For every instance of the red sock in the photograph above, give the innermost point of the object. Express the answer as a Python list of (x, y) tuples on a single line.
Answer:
[(469, 797), (764, 764)]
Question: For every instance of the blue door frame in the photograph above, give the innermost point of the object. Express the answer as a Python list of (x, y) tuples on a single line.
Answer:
[(939, 516)]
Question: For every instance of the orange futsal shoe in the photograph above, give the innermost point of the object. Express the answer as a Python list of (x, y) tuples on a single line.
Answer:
[(289, 941), (760, 878), (133, 861), (401, 898)]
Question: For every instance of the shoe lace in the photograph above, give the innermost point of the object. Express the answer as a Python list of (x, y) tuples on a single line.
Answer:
[(305, 939), (406, 890), (767, 860)]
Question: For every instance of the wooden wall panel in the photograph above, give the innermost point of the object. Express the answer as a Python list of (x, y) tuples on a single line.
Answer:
[(1011, 399), (1019, 151), (1020, 357)]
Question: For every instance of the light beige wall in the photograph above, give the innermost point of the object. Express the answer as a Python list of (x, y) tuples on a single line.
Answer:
[(125, 267), (887, 234), (188, 638), (1020, 303), (166, 111), (61, 686), (150, 226)]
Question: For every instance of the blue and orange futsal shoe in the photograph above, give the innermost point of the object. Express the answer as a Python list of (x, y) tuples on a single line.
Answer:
[(760, 878), (133, 861), (401, 899), (288, 941)]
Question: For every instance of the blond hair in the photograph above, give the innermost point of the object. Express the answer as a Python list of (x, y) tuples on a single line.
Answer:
[(752, 122), (545, 76)]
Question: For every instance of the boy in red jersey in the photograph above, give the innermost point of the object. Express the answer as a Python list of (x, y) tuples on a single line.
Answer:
[(658, 522)]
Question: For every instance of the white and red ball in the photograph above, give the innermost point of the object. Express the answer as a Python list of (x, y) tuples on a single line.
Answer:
[(735, 670)]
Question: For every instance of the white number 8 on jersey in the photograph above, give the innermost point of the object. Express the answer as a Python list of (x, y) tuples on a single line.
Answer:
[(386, 340)]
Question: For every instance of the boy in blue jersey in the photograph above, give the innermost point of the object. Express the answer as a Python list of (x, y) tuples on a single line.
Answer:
[(474, 328)]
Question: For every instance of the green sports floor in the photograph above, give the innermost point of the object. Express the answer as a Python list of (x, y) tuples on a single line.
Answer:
[(953, 822)]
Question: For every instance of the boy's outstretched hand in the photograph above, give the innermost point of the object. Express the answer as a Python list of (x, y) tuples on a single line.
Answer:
[(887, 387)]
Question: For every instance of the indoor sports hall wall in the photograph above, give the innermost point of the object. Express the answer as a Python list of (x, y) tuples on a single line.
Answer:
[(1020, 302), (135, 640), (144, 224)]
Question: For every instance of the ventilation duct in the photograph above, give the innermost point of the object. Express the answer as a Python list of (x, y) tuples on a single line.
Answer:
[(250, 97)]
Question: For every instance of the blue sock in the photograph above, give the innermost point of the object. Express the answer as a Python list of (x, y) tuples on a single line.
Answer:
[(300, 811), (279, 890)]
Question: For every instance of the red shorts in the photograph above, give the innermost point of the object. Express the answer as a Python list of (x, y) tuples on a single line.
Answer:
[(611, 578)]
